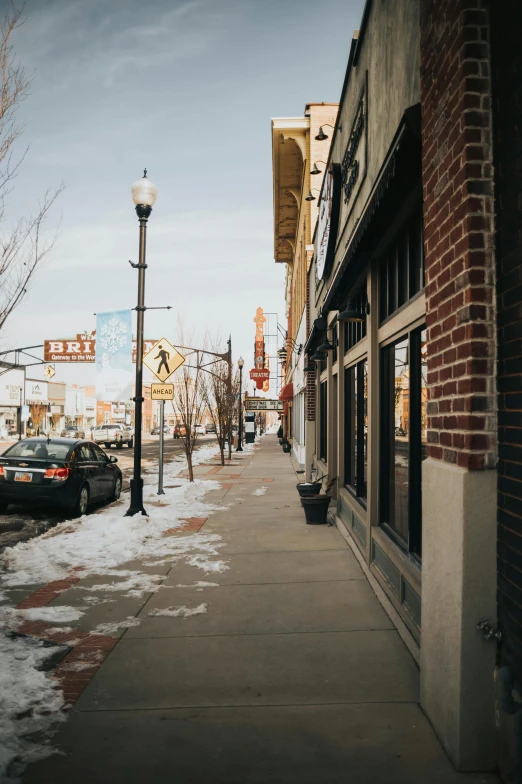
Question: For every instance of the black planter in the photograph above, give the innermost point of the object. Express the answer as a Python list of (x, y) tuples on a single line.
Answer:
[(287, 447), (309, 488), (315, 508), (281, 441)]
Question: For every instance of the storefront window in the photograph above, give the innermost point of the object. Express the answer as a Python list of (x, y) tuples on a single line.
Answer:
[(356, 428), (401, 270), (323, 421), (403, 438)]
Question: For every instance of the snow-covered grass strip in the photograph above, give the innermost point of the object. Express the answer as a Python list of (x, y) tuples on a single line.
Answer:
[(12, 618)]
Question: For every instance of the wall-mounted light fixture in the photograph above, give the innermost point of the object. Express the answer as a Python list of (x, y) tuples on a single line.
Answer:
[(321, 136), (354, 312), (315, 170), (310, 196)]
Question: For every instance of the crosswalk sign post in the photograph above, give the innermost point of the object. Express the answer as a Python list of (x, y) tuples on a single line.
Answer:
[(163, 359)]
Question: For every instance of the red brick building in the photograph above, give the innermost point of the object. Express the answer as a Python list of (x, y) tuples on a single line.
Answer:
[(415, 330)]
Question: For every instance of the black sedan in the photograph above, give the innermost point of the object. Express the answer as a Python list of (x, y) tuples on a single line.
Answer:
[(58, 472)]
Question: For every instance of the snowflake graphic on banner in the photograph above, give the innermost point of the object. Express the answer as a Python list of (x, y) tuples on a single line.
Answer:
[(114, 335)]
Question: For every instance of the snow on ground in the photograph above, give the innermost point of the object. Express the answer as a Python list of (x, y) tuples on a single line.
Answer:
[(260, 491), (112, 628), (199, 584), (30, 702), (12, 618), (99, 544), (180, 612)]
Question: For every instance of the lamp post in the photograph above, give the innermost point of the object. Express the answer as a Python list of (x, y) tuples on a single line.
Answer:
[(144, 196), (240, 364)]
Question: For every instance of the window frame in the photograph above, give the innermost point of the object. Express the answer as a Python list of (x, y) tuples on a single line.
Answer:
[(354, 441), (413, 546), (323, 421)]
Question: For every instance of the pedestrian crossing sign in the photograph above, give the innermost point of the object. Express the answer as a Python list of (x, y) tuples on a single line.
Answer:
[(163, 359)]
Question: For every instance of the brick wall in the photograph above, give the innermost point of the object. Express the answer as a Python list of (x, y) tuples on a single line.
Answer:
[(507, 116), (458, 221)]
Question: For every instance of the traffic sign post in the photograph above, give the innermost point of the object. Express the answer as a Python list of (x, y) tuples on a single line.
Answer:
[(162, 448), (163, 359)]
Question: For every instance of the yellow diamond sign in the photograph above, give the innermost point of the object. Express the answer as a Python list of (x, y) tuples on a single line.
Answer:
[(163, 359)]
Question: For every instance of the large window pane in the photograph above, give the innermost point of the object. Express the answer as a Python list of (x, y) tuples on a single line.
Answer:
[(363, 491), (323, 421), (400, 450)]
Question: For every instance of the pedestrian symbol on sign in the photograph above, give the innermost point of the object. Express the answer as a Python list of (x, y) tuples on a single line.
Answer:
[(163, 359), (164, 355)]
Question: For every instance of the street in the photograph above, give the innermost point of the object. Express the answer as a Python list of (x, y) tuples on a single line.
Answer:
[(20, 525)]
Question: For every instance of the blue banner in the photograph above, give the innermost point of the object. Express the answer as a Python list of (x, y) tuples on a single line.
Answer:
[(114, 374)]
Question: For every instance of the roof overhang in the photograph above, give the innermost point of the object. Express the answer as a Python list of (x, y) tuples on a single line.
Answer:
[(289, 144)]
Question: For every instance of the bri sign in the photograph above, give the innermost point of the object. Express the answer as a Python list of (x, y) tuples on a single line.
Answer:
[(81, 349)]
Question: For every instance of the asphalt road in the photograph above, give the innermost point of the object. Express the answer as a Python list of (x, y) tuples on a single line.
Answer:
[(20, 525)]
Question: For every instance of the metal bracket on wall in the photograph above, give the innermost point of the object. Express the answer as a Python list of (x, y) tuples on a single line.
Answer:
[(489, 632)]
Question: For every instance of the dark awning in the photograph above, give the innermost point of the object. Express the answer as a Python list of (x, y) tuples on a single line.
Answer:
[(287, 392), (400, 173)]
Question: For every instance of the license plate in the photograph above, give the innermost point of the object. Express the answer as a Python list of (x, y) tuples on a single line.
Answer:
[(21, 477)]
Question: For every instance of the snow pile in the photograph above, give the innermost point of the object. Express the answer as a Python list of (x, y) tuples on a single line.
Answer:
[(260, 491), (199, 584), (29, 703), (11, 618), (112, 628), (180, 612), (102, 542)]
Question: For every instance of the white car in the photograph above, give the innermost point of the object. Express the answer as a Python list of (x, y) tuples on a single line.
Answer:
[(201, 430)]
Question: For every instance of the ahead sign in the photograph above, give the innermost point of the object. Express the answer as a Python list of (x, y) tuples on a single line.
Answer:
[(162, 391), (262, 404), (163, 359)]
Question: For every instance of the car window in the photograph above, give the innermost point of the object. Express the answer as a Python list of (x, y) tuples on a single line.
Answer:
[(99, 454), (84, 454), (38, 449)]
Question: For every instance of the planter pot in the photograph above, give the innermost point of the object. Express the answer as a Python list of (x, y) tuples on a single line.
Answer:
[(309, 488), (315, 508), (287, 447), (281, 441)]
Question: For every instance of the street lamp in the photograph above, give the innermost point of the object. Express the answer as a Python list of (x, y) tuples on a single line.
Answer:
[(240, 364), (144, 196)]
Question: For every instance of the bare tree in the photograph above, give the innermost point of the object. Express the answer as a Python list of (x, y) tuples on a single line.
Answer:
[(189, 400), (38, 411), (217, 399), (22, 248)]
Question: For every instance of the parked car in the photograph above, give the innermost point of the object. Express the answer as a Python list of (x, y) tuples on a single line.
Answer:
[(179, 431), (117, 434), (71, 431), (211, 428), (64, 472), (156, 430), (201, 430)]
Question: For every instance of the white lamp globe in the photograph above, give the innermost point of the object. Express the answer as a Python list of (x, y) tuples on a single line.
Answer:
[(240, 362), (144, 191)]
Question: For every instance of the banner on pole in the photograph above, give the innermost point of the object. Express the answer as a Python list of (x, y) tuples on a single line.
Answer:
[(114, 375)]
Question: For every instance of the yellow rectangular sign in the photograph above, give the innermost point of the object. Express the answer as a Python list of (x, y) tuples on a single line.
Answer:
[(162, 391)]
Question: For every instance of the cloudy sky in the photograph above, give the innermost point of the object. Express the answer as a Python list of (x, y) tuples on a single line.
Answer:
[(185, 88)]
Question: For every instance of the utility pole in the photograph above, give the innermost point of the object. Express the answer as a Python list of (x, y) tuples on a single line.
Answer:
[(231, 404)]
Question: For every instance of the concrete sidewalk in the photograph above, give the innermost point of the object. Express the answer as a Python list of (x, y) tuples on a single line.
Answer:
[(294, 674)]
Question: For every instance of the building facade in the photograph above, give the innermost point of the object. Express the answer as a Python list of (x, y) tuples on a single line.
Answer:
[(298, 160), (414, 350)]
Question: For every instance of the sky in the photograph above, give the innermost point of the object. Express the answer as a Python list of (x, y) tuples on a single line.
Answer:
[(187, 89)]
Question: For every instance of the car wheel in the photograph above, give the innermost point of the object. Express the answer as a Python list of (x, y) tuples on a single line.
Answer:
[(130, 443), (119, 445), (107, 445), (82, 502), (117, 489)]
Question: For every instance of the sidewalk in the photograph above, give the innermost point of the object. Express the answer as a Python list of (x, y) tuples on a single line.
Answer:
[(286, 669)]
